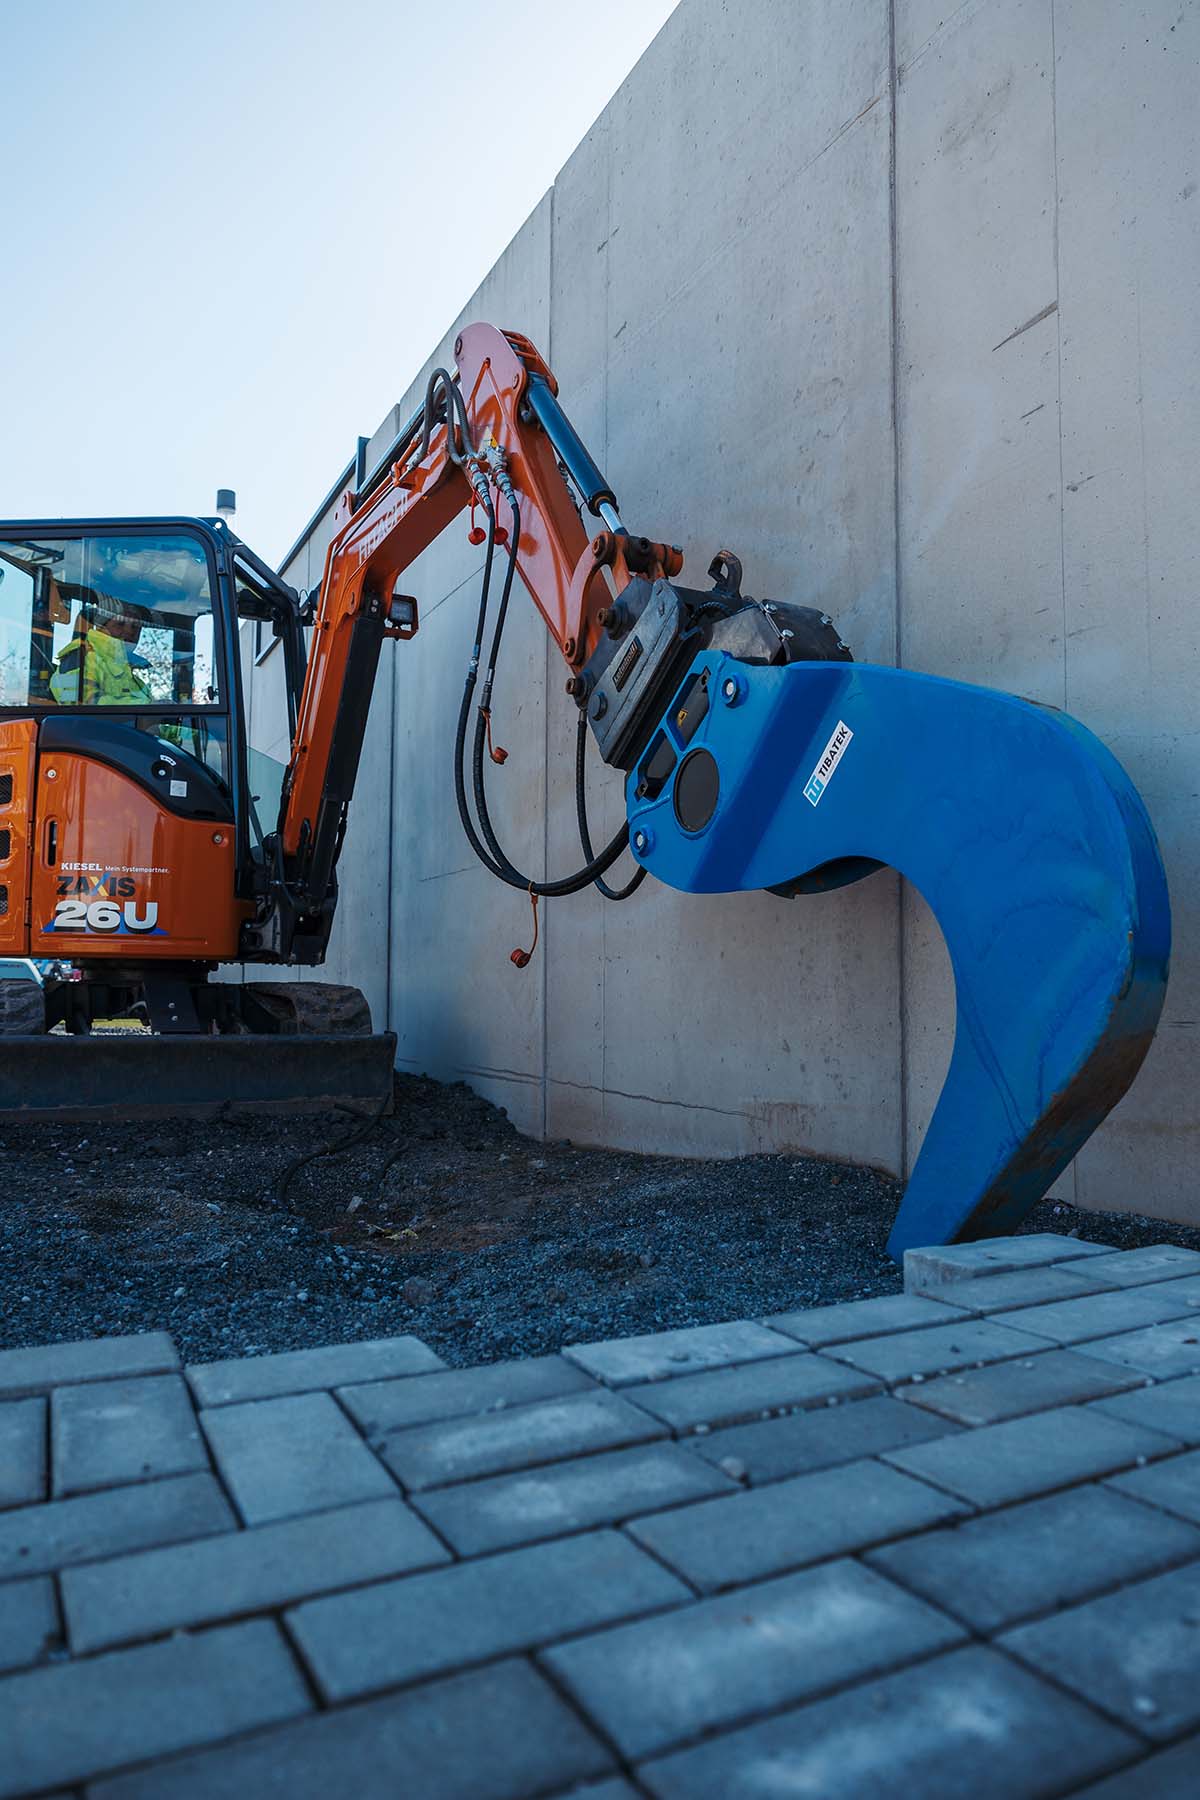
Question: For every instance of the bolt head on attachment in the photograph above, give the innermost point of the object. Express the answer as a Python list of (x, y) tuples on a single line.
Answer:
[(577, 687), (643, 840), (733, 689)]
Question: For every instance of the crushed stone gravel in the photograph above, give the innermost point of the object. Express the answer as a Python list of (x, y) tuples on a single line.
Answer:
[(443, 1221)]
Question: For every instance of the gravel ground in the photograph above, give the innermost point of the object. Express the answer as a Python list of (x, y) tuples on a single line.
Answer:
[(443, 1222)]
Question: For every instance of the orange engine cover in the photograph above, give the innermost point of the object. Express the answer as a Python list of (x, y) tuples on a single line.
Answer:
[(18, 742), (114, 874)]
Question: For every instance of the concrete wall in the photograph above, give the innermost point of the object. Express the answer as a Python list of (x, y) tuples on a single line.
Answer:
[(899, 305)]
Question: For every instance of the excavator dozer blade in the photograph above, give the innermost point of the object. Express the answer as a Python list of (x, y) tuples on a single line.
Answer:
[(132, 1075), (1023, 833)]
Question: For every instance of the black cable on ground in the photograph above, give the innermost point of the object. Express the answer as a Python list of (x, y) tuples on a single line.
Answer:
[(347, 1142)]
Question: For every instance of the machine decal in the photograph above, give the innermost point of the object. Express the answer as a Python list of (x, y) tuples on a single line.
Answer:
[(104, 902), (830, 757)]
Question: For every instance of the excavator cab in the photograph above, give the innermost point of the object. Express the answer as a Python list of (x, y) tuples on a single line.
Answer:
[(135, 820)]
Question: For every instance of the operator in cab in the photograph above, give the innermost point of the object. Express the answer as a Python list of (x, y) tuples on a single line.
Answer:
[(100, 665)]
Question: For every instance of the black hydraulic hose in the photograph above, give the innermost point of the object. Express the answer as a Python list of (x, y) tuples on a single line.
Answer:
[(585, 837)]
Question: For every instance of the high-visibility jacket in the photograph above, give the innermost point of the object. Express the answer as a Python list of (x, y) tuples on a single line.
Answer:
[(96, 670)]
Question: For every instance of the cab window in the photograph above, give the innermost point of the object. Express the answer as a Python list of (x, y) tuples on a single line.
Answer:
[(107, 620)]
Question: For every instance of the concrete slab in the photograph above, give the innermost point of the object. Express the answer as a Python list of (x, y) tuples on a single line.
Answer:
[(743, 1537), (111, 1432), (300, 1454), (1172, 1407), (942, 1266), (29, 1623), (1135, 1268), (752, 1390), (383, 1406), (942, 1347), (305, 1371), (775, 1448), (569, 1496), (54, 1535), (1032, 1287), (1134, 1654), (242, 1572), (1162, 1351), (1173, 1774), (44, 1366), (968, 1722), (823, 1325), (1013, 1565), (1030, 1384), (1101, 1315), (998, 1464), (623, 1361), (397, 1632), (496, 1734), (1173, 1485), (23, 1460), (653, 1684)]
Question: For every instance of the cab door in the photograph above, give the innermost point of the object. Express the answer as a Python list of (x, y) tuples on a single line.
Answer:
[(17, 747)]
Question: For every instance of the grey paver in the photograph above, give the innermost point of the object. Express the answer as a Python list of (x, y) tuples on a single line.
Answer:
[(241, 1572), (655, 1683), (111, 1432), (1173, 1484), (62, 1723), (1172, 1774), (499, 1733), (942, 1347), (1099, 1315), (402, 1631), (1170, 1406), (776, 1448), (1021, 1458), (966, 1723), (938, 1267), (1135, 1654), (1009, 1566), (383, 1406), (22, 1452), (1163, 1350), (1153, 1262), (1008, 1389), (722, 1396), (570, 1496), (45, 1366), (294, 1455), (622, 1361), (28, 1621), (36, 1539), (304, 1371), (863, 1318), (517, 1438), (809, 1519), (1034, 1287)]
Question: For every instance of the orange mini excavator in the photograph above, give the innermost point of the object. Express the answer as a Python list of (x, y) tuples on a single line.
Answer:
[(142, 844)]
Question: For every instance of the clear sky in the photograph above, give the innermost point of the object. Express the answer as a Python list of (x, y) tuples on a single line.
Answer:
[(236, 228)]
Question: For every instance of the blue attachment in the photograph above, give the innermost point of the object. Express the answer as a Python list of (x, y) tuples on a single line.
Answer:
[(1031, 846)]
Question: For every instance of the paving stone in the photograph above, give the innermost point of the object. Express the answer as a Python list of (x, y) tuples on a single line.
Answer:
[(1100, 1315), (1170, 1406), (499, 1733), (774, 1448), (614, 1789), (662, 1680), (28, 1621), (403, 1631), (622, 1361), (243, 1572), (517, 1438), (723, 1395), (45, 1366), (863, 1318), (382, 1406), (966, 1723), (1135, 1654), (1153, 1262), (1163, 1350), (938, 1349), (117, 1431), (295, 1455), (1173, 1774), (1173, 1485), (1031, 1384), (568, 1496), (63, 1723), (22, 1452), (1015, 1460), (741, 1537), (1034, 1287), (1009, 1566), (37, 1539), (936, 1267), (303, 1371)]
